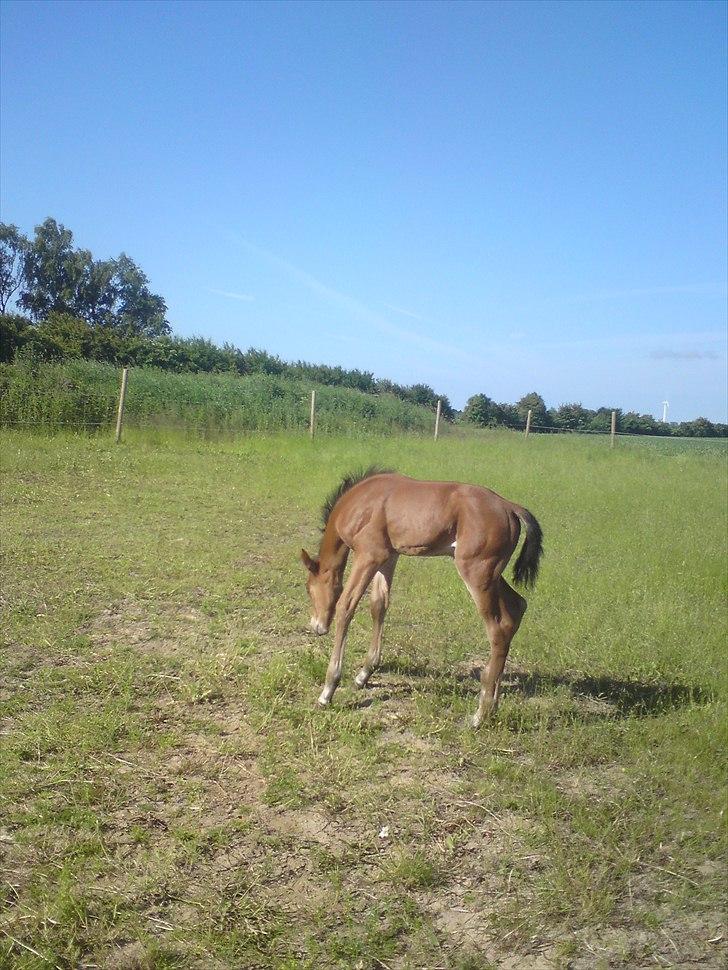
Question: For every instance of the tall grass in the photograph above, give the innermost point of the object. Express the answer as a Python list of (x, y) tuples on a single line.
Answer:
[(83, 394)]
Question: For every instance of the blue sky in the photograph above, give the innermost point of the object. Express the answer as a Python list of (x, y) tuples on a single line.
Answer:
[(493, 198)]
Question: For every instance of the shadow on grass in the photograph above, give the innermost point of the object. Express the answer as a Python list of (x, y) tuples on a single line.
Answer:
[(600, 697), (623, 698)]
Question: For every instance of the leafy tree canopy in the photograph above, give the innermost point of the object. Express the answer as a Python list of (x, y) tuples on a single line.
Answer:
[(572, 416), (482, 411), (49, 275), (535, 403), (13, 249)]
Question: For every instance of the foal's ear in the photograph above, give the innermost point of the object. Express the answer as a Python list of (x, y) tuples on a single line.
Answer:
[(310, 564)]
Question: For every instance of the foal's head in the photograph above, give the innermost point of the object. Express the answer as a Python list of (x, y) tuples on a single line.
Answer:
[(324, 589)]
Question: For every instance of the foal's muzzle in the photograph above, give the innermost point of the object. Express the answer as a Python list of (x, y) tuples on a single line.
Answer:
[(318, 627)]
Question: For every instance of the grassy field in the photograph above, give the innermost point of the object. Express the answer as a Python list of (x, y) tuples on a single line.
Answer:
[(169, 796)]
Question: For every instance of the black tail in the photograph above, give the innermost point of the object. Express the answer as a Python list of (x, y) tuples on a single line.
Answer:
[(525, 570)]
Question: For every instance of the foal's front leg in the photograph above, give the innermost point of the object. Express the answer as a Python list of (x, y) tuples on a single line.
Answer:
[(362, 571), (379, 593)]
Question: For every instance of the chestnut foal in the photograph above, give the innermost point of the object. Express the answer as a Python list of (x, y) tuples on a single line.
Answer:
[(381, 515)]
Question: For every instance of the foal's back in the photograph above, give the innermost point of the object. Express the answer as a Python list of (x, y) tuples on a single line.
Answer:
[(424, 518)]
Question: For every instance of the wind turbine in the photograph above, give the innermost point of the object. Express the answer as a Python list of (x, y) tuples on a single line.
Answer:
[(665, 406)]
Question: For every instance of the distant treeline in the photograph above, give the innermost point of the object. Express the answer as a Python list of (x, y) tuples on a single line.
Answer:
[(480, 410)]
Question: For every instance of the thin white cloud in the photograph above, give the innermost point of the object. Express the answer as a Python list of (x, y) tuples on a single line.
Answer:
[(353, 307), (245, 297), (406, 313)]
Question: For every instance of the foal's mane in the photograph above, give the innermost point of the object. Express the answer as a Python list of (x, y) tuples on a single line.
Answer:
[(347, 482)]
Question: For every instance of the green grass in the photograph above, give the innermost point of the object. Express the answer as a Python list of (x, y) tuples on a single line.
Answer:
[(169, 796)]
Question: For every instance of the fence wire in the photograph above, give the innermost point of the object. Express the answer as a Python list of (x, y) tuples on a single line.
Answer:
[(549, 429), (162, 424)]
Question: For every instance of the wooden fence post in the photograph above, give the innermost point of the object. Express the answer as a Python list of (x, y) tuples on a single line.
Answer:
[(437, 418), (312, 419), (528, 422), (122, 399), (614, 428)]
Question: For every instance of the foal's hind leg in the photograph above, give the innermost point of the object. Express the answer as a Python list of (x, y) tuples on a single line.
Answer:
[(501, 627), (378, 603), (502, 609)]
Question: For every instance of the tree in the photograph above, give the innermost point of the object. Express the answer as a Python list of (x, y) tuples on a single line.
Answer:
[(61, 336), (106, 293), (96, 293), (13, 249), (510, 416), (535, 403), (136, 308), (602, 419), (52, 271), (482, 411), (261, 362), (573, 417), (633, 423), (447, 410), (699, 428), (422, 394), (334, 376), (13, 335)]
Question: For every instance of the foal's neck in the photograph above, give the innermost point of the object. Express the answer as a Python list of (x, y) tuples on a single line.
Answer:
[(333, 552)]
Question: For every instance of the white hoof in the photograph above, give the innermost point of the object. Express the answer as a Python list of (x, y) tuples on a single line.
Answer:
[(324, 701), (361, 679)]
